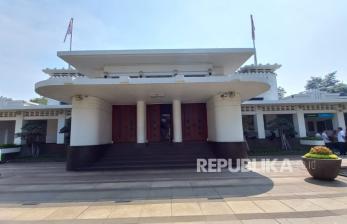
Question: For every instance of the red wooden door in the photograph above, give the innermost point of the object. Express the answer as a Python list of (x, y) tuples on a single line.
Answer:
[(194, 122), (124, 123), (153, 123)]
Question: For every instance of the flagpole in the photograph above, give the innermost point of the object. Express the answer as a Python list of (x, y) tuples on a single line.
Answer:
[(253, 38), (71, 33), (255, 54)]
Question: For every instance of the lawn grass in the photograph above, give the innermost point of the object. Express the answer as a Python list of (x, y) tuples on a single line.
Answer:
[(41, 158)]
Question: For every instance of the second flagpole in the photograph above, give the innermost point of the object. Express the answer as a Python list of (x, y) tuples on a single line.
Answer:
[(71, 34)]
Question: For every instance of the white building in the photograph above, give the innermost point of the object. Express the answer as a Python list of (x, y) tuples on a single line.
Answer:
[(151, 97)]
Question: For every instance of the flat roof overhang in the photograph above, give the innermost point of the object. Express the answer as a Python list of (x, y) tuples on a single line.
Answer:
[(92, 63), (151, 93)]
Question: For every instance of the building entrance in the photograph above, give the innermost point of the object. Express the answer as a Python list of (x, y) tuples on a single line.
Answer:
[(319, 122), (165, 123), (159, 123)]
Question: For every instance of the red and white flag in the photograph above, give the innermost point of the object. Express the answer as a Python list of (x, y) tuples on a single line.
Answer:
[(69, 29), (253, 28)]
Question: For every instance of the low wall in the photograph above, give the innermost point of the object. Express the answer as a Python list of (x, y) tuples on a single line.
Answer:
[(46, 149), (229, 150), (262, 145)]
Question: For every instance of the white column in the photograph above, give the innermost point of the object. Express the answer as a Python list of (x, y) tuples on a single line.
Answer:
[(224, 119), (299, 123), (18, 127), (6, 136), (91, 121), (61, 124), (141, 122), (260, 124), (51, 130), (340, 117), (177, 121)]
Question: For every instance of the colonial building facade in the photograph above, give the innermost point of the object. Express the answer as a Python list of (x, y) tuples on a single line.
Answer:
[(139, 99)]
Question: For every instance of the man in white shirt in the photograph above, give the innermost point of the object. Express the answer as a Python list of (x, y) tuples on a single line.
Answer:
[(326, 139), (341, 139)]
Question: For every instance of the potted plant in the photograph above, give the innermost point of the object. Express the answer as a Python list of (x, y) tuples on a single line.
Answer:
[(8, 150), (321, 163), (311, 141)]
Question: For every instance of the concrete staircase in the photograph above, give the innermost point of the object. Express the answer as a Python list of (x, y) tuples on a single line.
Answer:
[(152, 156)]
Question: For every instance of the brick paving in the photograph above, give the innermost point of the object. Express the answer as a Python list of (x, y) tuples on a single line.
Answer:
[(46, 193)]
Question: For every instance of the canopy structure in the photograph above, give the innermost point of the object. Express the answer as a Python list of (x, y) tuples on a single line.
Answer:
[(95, 63), (156, 76)]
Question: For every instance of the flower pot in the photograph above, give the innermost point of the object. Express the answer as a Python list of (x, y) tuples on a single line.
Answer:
[(311, 142), (5, 152), (323, 169)]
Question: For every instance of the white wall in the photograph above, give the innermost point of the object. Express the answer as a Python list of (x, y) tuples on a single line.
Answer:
[(272, 93), (224, 119), (91, 121), (156, 68), (51, 133)]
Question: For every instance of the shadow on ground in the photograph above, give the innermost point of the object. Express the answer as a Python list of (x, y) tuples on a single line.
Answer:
[(326, 183), (50, 183)]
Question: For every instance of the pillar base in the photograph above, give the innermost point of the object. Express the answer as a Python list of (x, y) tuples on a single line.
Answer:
[(79, 157)]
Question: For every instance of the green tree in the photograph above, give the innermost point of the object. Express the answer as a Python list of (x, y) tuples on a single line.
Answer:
[(339, 88), (40, 100), (328, 83), (32, 134), (314, 83), (281, 92)]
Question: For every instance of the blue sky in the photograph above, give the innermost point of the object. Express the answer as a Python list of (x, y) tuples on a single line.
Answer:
[(308, 38)]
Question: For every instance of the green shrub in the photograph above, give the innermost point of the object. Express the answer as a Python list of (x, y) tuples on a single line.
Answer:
[(320, 152), (5, 146), (312, 138), (320, 156)]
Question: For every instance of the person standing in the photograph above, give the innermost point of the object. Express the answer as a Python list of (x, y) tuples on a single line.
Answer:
[(327, 140), (341, 139)]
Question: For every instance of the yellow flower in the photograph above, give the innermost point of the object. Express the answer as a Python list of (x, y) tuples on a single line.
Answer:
[(321, 150)]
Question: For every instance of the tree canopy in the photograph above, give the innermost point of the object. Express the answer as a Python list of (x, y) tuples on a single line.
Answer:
[(281, 92), (328, 83), (40, 100)]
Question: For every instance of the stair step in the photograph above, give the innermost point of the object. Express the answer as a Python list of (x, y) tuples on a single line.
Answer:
[(129, 167), (152, 156)]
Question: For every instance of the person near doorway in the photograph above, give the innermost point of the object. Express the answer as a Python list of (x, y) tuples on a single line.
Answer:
[(327, 140), (341, 139)]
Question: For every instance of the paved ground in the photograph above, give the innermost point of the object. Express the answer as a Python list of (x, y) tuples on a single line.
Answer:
[(46, 193)]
